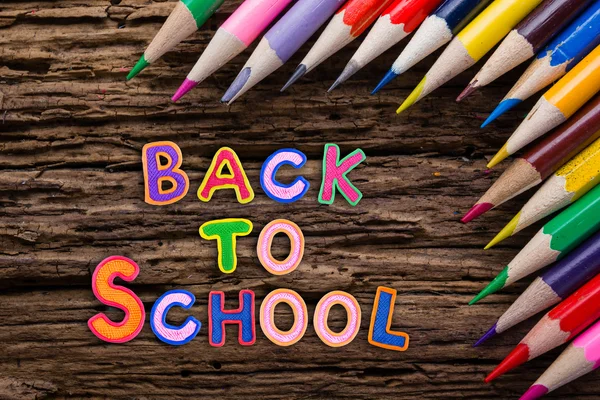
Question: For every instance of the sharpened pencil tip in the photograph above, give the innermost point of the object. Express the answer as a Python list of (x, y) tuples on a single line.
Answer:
[(475, 211), (298, 73), (517, 357), (496, 284), (506, 232), (348, 71), (235, 89), (471, 87), (185, 87), (488, 335), (413, 97), (499, 157), (503, 107), (534, 392), (138, 67), (390, 76)]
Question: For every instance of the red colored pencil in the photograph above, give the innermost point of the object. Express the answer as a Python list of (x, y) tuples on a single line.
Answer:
[(561, 324)]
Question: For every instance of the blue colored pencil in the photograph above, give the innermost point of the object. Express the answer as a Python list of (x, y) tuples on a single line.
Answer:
[(437, 30), (562, 53)]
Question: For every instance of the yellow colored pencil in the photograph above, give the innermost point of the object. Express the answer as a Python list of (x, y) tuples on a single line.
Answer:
[(561, 101), (568, 184), (471, 44)]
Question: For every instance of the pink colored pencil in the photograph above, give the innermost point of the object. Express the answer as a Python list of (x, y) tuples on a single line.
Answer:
[(234, 36), (580, 358)]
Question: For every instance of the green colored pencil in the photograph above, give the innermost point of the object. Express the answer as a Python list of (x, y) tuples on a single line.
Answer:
[(555, 240), (186, 18)]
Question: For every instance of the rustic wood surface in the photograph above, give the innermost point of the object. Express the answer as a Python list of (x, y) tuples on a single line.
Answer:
[(71, 194)]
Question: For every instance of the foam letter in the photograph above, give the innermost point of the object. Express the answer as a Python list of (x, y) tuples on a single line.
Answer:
[(267, 321), (117, 296), (156, 173), (265, 239), (334, 175), (225, 231), (380, 334), (175, 335), (243, 316), (353, 313), (278, 191), (215, 179)]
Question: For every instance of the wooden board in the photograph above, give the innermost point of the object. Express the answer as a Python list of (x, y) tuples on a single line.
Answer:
[(71, 194)]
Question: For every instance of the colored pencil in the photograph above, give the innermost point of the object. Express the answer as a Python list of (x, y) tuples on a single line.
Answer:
[(347, 24), (558, 326), (528, 37), (579, 358), (554, 285), (565, 186), (234, 36), (397, 21), (561, 101), (186, 18), (281, 42), (558, 57), (437, 30), (543, 159), (552, 242), (471, 44)]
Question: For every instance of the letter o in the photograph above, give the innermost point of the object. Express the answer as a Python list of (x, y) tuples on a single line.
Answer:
[(265, 240), (352, 307), (267, 321)]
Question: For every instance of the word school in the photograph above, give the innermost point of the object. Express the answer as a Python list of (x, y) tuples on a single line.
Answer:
[(107, 292)]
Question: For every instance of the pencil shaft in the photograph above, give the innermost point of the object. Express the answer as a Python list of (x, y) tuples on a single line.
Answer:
[(185, 19), (559, 325), (562, 279), (348, 23), (235, 35), (567, 184), (526, 39), (395, 23), (281, 42), (543, 159), (559, 103), (581, 357), (562, 53), (471, 44)]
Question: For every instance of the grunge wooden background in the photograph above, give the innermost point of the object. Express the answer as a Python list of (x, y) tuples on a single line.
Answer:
[(71, 194)]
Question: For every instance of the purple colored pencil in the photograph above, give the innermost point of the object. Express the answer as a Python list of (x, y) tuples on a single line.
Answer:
[(562, 279), (281, 42)]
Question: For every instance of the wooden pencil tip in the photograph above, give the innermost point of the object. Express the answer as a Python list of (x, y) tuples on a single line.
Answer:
[(504, 106), (488, 335), (348, 71), (499, 157), (235, 89), (496, 284), (391, 75), (517, 357), (138, 67), (476, 211), (471, 87), (185, 87), (506, 232), (413, 97), (298, 73), (534, 392)]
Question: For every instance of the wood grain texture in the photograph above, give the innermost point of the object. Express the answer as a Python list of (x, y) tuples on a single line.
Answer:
[(71, 194)]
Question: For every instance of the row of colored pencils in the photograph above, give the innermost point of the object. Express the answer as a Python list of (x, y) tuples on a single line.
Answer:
[(538, 27), (561, 133)]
